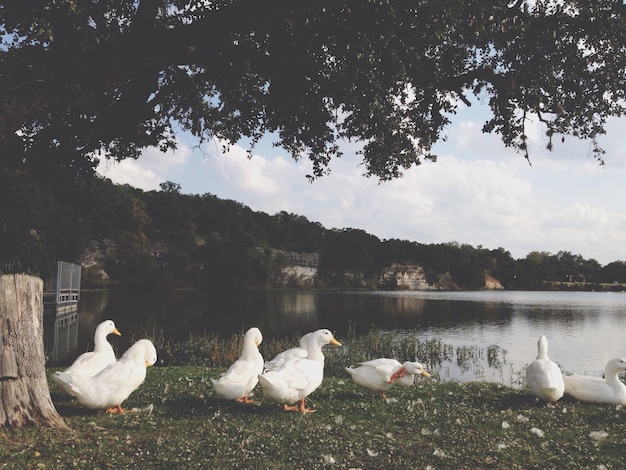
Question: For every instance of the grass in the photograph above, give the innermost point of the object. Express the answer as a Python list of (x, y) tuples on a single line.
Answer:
[(430, 425)]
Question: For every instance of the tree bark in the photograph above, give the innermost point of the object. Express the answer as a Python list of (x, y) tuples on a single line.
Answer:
[(24, 393)]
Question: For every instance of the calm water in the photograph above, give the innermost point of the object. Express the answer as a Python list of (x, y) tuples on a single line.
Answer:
[(584, 329)]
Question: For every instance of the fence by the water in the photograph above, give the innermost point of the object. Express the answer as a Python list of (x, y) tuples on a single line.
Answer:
[(60, 301), (64, 292)]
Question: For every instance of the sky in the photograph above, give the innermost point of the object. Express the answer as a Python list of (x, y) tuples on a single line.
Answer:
[(479, 192)]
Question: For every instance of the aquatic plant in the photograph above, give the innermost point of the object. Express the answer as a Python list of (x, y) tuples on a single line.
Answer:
[(437, 356)]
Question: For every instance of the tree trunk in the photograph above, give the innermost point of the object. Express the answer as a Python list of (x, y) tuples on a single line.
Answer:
[(24, 393)]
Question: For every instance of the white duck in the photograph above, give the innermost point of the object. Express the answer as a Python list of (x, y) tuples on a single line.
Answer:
[(607, 389), (543, 376), (113, 384), (300, 376), (90, 363), (379, 375), (243, 375), (291, 353)]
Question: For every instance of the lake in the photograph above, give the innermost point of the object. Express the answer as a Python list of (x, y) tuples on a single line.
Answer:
[(584, 329)]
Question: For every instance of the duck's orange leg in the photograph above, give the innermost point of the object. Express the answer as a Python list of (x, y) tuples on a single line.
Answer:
[(116, 409), (299, 407), (245, 399)]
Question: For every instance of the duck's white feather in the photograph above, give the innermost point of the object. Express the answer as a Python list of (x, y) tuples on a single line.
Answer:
[(113, 384), (293, 382), (543, 376), (283, 357), (298, 377), (376, 374), (608, 389), (242, 376), (90, 363), (412, 370)]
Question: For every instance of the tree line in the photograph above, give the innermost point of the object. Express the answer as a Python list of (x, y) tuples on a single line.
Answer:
[(169, 239)]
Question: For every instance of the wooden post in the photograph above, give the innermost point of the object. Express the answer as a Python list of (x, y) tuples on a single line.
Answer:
[(24, 393)]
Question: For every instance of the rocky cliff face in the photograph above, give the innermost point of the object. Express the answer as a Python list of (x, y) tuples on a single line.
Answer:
[(492, 283), (298, 276), (405, 277), (297, 269), (412, 277)]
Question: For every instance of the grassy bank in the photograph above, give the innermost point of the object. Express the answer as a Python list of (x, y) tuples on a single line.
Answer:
[(430, 425)]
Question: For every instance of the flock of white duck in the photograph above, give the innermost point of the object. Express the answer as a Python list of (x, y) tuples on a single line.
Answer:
[(99, 381), (546, 381)]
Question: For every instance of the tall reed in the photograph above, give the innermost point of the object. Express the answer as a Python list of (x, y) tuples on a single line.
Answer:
[(211, 350)]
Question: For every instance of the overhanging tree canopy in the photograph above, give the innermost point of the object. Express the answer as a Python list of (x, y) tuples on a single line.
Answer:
[(116, 76)]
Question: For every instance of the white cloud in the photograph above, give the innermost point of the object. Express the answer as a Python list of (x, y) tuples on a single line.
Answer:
[(129, 172), (152, 168), (478, 192), (250, 174)]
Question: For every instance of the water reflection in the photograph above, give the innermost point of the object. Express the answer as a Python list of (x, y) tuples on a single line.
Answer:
[(583, 327), (285, 315), (61, 336)]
